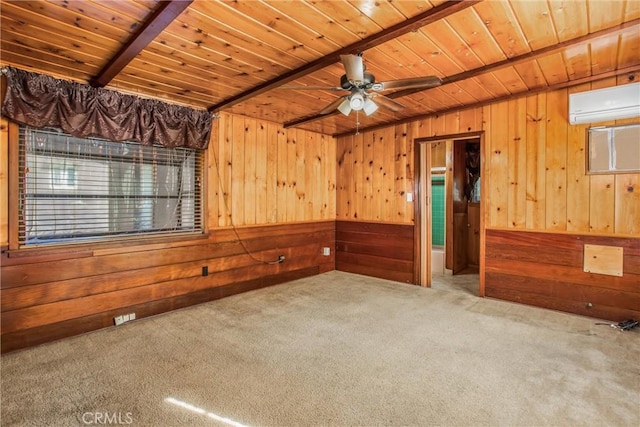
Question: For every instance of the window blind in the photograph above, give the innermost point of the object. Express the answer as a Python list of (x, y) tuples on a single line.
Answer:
[(77, 189)]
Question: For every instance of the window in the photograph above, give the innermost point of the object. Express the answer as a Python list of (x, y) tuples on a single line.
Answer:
[(614, 149), (75, 189)]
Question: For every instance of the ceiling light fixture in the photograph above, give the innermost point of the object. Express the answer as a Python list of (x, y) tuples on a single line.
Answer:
[(370, 107), (344, 107), (356, 101)]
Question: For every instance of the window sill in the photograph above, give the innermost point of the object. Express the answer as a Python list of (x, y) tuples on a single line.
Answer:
[(80, 250)]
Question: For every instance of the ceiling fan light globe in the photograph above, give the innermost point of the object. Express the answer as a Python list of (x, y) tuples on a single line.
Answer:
[(344, 107), (356, 102), (370, 107)]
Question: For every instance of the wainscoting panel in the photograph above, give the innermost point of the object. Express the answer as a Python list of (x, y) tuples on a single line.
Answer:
[(381, 250), (546, 270), (51, 293)]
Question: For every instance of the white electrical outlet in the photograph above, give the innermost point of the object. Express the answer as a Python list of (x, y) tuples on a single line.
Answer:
[(119, 320), (409, 197), (326, 251)]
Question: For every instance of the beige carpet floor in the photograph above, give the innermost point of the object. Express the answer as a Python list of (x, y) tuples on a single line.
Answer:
[(334, 350)]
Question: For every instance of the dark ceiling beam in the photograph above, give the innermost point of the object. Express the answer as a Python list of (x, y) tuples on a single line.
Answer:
[(432, 15), (164, 15), (509, 62), (630, 71)]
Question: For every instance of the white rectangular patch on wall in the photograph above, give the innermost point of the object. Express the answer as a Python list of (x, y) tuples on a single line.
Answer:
[(603, 260)]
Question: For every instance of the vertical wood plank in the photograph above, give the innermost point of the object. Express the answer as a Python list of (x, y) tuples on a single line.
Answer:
[(499, 164), (344, 176), (271, 166), (283, 176), (438, 125), (536, 170), (330, 174), (326, 185), (388, 174), (470, 120), (556, 160), (438, 154), (421, 128), (224, 168), (377, 164), (237, 172), (292, 197), (250, 140), (517, 193), (487, 174), (4, 181), (314, 179), (357, 196), (212, 188), (602, 199), (452, 123), (301, 185), (309, 179), (627, 202), (410, 175), (578, 204), (261, 153), (400, 185), (367, 175)]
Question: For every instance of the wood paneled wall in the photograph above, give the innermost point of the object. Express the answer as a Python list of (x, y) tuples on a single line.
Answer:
[(375, 249), (546, 269), (536, 174), (535, 162), (48, 295), (534, 178), (269, 174), (277, 186), (375, 169)]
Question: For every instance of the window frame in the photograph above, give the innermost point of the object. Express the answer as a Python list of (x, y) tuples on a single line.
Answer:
[(588, 160), (121, 242)]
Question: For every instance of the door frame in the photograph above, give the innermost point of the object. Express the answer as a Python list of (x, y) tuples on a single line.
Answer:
[(422, 217)]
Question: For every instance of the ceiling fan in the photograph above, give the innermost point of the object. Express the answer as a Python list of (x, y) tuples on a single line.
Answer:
[(362, 88)]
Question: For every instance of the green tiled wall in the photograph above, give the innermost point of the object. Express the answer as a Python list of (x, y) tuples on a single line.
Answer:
[(437, 210)]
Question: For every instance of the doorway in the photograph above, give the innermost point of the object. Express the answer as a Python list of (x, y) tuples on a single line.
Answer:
[(449, 213)]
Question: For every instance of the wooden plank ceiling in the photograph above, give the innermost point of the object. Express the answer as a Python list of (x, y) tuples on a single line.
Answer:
[(234, 56)]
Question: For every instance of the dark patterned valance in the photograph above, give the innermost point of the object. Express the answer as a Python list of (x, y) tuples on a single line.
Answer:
[(80, 110)]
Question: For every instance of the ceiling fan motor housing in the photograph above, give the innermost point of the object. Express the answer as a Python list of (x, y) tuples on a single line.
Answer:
[(369, 79)]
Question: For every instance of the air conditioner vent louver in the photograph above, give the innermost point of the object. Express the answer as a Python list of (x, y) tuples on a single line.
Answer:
[(599, 105)]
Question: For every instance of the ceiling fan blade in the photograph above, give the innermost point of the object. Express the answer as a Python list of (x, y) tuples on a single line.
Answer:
[(329, 108), (388, 102), (412, 83), (353, 67), (302, 87)]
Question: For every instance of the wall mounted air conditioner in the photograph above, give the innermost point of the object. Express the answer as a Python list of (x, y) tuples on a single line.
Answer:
[(599, 105)]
